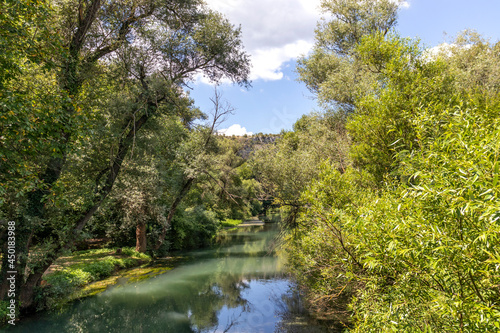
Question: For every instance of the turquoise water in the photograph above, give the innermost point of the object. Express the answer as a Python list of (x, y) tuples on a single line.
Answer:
[(239, 286)]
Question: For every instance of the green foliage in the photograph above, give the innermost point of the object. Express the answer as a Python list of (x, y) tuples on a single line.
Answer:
[(411, 258), (230, 223), (3, 312), (322, 250), (131, 252), (28, 106), (85, 267), (25, 36), (225, 183), (61, 284), (195, 228), (103, 268), (437, 239), (62, 281), (408, 242), (86, 92), (334, 71), (381, 126), (284, 170)]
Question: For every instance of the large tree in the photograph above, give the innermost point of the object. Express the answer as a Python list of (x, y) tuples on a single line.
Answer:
[(333, 71), (124, 66)]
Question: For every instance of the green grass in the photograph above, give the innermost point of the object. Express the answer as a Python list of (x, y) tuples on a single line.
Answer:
[(227, 223), (69, 274)]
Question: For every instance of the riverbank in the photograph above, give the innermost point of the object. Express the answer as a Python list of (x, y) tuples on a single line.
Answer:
[(86, 273), (90, 272), (239, 286)]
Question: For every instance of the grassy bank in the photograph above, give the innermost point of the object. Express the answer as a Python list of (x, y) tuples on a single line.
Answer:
[(229, 223), (85, 273)]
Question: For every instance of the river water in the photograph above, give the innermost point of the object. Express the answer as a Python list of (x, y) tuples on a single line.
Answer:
[(238, 286)]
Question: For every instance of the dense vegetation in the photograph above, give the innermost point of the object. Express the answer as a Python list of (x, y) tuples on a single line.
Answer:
[(394, 211), (99, 138), (390, 193)]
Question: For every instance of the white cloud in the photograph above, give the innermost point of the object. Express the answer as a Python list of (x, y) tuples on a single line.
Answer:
[(443, 50), (235, 129), (267, 62), (273, 32), (405, 4), (402, 3)]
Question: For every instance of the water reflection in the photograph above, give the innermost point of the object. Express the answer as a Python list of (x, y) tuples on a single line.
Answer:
[(236, 287)]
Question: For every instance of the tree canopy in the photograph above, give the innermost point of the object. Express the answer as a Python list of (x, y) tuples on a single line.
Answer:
[(402, 237), (93, 90)]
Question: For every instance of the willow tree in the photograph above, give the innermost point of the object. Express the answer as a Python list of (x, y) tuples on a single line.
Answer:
[(333, 71), (124, 66)]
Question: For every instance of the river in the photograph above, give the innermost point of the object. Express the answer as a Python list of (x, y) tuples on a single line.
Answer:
[(237, 286)]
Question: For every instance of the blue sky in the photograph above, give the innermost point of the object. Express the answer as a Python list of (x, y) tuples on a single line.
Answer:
[(276, 32)]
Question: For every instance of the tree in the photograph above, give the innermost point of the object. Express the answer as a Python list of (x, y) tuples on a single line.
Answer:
[(333, 71), (26, 45), (287, 168), (135, 56), (410, 231), (195, 160)]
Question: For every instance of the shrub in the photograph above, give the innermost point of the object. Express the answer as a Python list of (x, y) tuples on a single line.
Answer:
[(417, 257), (3, 313), (60, 285), (103, 268), (194, 229), (230, 222), (131, 252)]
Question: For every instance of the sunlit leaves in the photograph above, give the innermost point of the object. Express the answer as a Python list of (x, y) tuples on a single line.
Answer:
[(420, 244)]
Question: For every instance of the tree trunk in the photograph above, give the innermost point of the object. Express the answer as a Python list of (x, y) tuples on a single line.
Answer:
[(27, 292), (171, 212), (140, 234), (33, 280)]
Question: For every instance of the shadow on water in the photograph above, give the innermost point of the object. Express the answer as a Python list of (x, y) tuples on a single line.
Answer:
[(238, 286)]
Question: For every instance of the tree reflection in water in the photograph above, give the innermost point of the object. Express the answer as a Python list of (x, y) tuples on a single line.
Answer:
[(235, 287)]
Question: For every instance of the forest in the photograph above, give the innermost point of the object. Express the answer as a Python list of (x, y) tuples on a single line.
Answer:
[(389, 193)]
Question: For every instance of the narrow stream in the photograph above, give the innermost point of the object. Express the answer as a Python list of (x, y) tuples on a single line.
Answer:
[(238, 286)]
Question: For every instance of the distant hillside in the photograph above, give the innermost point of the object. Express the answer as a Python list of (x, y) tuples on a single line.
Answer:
[(249, 144)]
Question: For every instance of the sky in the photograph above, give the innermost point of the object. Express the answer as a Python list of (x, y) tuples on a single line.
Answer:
[(276, 32)]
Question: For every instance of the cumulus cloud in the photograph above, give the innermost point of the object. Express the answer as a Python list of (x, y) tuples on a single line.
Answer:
[(402, 3), (235, 129), (267, 62), (405, 4), (443, 50), (273, 32)]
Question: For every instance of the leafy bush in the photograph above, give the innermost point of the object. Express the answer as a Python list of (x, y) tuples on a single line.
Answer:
[(94, 265), (322, 251), (416, 257), (60, 285), (230, 222), (66, 279), (131, 252), (3, 313), (409, 240), (104, 267), (194, 229)]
